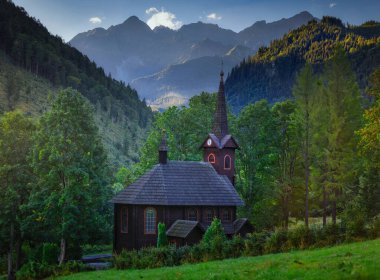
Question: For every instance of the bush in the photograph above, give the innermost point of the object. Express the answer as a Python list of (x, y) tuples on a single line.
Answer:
[(300, 238), (149, 258), (276, 241), (374, 227), (254, 244), (50, 252), (162, 239), (36, 270), (215, 230)]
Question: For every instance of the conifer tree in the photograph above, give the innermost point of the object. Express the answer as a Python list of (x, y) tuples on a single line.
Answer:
[(303, 92), (344, 117)]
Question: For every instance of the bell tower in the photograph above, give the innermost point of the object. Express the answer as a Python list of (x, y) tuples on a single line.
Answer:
[(219, 146)]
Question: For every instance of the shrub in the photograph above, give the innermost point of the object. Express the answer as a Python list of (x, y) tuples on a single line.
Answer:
[(254, 244), (276, 241), (214, 230), (300, 237), (50, 252), (36, 270), (162, 239), (374, 227)]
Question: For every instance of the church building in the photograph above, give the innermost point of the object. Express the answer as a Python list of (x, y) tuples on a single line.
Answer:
[(184, 195)]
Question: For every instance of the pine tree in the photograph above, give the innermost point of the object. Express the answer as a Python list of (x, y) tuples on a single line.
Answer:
[(303, 91), (344, 111)]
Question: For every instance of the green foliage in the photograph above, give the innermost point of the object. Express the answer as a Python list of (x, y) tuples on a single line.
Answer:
[(29, 46), (162, 239), (272, 71), (50, 253), (71, 193), (214, 233), (35, 270)]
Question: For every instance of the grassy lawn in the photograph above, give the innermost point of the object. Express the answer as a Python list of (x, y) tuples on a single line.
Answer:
[(359, 260)]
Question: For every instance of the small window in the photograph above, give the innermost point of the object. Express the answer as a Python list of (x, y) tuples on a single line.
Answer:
[(209, 215), (192, 214), (211, 158), (227, 162), (124, 219), (226, 215), (150, 220)]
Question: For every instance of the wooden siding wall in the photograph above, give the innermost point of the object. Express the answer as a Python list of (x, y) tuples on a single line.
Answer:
[(135, 238)]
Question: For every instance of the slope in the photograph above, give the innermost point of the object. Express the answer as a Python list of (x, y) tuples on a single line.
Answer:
[(35, 65), (270, 74)]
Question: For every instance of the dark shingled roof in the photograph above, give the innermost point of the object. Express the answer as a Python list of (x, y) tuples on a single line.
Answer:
[(239, 223), (182, 228), (181, 183)]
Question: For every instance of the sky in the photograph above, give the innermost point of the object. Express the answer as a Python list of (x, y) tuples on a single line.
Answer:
[(66, 18)]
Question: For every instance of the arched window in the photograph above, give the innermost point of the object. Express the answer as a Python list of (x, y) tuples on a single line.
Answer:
[(192, 214), (150, 218), (227, 162), (211, 158), (124, 219)]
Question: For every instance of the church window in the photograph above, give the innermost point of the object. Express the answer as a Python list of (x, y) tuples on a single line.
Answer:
[(211, 158), (124, 219), (192, 214), (227, 162), (226, 215), (150, 217), (209, 215)]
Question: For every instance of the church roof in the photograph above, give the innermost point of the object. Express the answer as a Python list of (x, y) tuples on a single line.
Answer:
[(181, 183), (220, 143), (182, 228)]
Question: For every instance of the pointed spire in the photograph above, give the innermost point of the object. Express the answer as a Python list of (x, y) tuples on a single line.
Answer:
[(163, 149), (220, 128)]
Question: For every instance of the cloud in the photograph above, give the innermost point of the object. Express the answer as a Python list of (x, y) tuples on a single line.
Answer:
[(332, 5), (151, 10), (162, 18), (213, 16), (95, 20)]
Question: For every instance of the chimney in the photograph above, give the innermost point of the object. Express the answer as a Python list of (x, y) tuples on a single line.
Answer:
[(163, 150)]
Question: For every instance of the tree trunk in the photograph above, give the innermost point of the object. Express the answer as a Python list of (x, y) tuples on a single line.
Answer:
[(324, 206), (62, 255), (18, 253), (307, 174), (333, 211), (11, 275)]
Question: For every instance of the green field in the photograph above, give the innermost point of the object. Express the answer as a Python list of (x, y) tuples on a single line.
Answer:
[(352, 261)]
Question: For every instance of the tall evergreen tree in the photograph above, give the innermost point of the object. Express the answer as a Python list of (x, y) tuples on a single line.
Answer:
[(69, 200), (303, 92), (344, 111), (15, 175)]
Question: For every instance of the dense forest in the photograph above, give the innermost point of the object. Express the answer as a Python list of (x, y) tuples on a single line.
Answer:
[(320, 148), (28, 50), (271, 72)]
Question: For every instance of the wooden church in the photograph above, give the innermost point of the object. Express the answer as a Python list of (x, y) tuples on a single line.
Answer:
[(185, 195)]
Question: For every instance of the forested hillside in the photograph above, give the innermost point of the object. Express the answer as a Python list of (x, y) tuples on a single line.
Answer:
[(271, 73), (34, 65)]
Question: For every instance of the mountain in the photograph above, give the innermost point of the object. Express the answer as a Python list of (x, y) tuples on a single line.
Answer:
[(148, 59), (34, 66), (271, 72)]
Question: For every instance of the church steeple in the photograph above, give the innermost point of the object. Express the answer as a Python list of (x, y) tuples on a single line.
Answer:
[(219, 146), (220, 128)]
